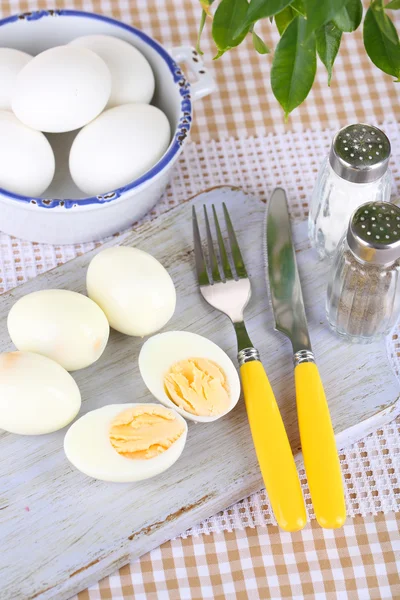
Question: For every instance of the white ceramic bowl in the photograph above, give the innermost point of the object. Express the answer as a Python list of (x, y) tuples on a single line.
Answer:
[(62, 215)]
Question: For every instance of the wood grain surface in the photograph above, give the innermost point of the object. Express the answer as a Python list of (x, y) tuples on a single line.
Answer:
[(61, 531)]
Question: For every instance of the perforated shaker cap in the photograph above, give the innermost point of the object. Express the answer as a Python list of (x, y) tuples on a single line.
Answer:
[(360, 153), (374, 233)]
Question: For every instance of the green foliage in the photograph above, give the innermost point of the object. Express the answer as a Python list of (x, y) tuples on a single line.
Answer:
[(393, 5), (307, 28), (227, 25), (379, 46), (294, 65), (320, 12), (328, 39), (349, 18), (260, 9), (283, 18), (383, 21), (201, 27), (298, 6), (259, 44)]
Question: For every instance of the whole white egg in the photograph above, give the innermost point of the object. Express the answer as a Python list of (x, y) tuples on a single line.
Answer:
[(131, 74), (88, 447), (133, 289), (36, 394), (61, 89), (11, 62), (62, 325), (26, 158), (159, 353), (118, 147)]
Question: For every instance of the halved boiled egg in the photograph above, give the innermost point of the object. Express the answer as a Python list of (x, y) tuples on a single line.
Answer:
[(126, 442), (191, 374)]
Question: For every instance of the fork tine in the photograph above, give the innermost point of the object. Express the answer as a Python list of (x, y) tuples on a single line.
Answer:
[(235, 250), (201, 267), (226, 267), (211, 251)]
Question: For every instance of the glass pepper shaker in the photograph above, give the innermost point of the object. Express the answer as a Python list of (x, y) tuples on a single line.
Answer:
[(356, 171), (363, 299)]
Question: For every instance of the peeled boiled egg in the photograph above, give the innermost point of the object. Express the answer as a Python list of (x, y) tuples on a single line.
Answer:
[(126, 442), (11, 62), (36, 394), (131, 74), (191, 374), (133, 289), (61, 89), (62, 325), (118, 147), (26, 158)]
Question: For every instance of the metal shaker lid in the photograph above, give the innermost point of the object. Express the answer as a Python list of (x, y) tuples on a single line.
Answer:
[(360, 153), (374, 233)]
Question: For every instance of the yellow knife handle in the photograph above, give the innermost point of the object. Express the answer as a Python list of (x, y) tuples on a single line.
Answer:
[(272, 448), (320, 454)]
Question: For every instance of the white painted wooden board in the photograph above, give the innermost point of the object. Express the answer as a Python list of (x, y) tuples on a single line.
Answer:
[(61, 531)]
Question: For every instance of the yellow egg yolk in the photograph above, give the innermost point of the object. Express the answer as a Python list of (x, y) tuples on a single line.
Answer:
[(199, 386), (144, 432)]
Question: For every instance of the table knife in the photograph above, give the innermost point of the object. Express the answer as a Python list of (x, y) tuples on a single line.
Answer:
[(320, 454)]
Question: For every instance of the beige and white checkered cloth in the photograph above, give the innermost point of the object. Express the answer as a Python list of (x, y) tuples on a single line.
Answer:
[(235, 143), (357, 562)]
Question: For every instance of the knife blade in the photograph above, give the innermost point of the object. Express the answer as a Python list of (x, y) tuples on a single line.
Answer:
[(284, 281), (320, 454)]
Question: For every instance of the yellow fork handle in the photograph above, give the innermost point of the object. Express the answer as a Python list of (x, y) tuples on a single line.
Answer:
[(320, 454), (272, 448)]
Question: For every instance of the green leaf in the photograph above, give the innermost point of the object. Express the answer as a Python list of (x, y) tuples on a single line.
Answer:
[(260, 9), (383, 53), (320, 12), (294, 66), (201, 27), (286, 16), (298, 6), (259, 44), (283, 18), (227, 27), (349, 18), (393, 5), (328, 39), (384, 23), (205, 5)]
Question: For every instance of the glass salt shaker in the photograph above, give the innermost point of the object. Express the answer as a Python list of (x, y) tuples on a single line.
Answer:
[(363, 299), (356, 171)]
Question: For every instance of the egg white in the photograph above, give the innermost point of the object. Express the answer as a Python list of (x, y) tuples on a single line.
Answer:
[(11, 63), (27, 161), (61, 89), (133, 289), (131, 74), (161, 351), (62, 325), (117, 147), (87, 446), (37, 395)]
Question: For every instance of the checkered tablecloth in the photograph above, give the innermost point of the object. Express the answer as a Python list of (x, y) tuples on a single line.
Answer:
[(232, 131), (355, 563)]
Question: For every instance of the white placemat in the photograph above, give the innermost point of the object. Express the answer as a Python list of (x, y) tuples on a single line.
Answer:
[(371, 467)]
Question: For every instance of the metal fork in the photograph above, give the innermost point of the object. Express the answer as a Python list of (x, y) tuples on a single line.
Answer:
[(225, 285)]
